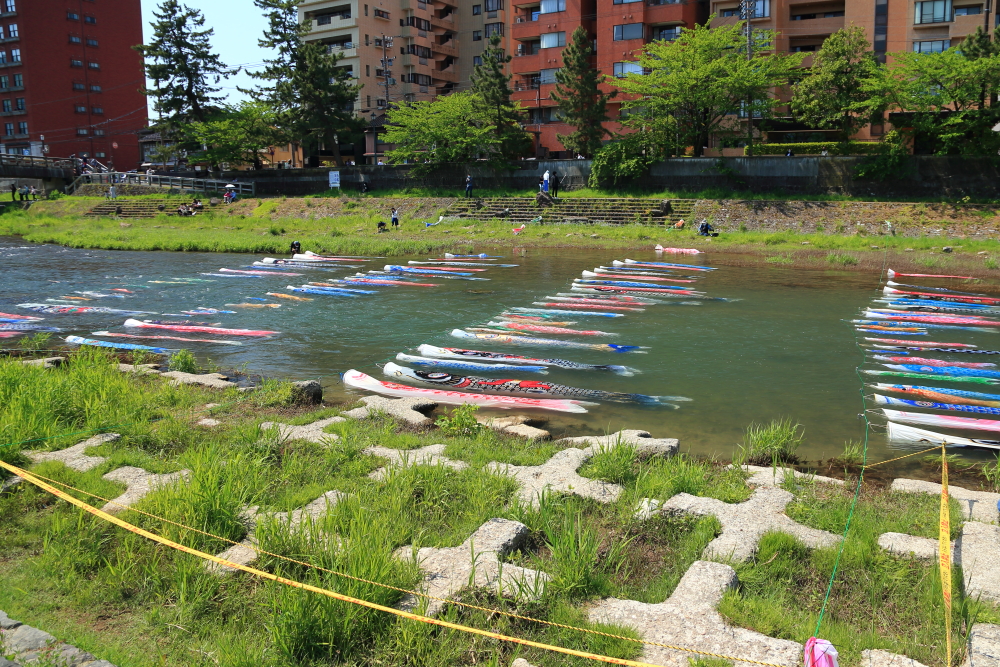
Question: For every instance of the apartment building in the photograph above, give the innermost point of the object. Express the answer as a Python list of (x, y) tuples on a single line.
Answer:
[(70, 80)]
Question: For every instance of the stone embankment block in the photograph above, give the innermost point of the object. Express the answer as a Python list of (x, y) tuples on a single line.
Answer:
[(518, 425), (689, 619), (558, 474), (476, 562), (765, 476), (48, 362), (976, 505), (922, 548), (983, 647), (977, 552), (645, 444), (140, 483), (520, 662), (744, 524), (28, 645), (879, 658), (75, 457), (141, 369), (429, 455), (308, 391), (244, 553), (311, 432), (210, 380), (409, 410)]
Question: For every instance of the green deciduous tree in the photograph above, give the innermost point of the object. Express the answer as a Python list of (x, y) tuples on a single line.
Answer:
[(180, 61), (312, 94), (448, 129), (240, 134), (581, 102), (491, 84), (702, 77), (835, 93)]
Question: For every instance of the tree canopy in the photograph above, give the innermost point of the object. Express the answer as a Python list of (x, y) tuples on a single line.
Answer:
[(581, 102), (491, 84), (448, 129), (702, 77), (240, 134)]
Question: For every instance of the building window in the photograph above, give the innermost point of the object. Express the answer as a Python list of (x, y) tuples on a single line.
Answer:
[(369, 101), (379, 14), (495, 5), (19, 81), (79, 108), (8, 129), (12, 30), (623, 69), (933, 11), (552, 6), (72, 16), (75, 39), (93, 65), (968, 11), (627, 31), (15, 55), (3, 57), (9, 6), (759, 9), (98, 133), (368, 72), (100, 154), (725, 13), (477, 10), (81, 131), (97, 111), (625, 2), (366, 10), (79, 86), (92, 20), (416, 22), (807, 48), (477, 35), (75, 63), (934, 46), (7, 108), (4, 82), (493, 29), (19, 104), (92, 43), (548, 75), (551, 40), (367, 41), (668, 34), (22, 127), (477, 60), (95, 88), (415, 50)]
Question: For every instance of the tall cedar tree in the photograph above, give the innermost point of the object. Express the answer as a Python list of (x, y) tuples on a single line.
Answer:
[(313, 95), (979, 45), (581, 103), (491, 84), (835, 93), (179, 59)]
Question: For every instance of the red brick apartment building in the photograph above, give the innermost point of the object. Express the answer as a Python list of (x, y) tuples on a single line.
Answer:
[(70, 80)]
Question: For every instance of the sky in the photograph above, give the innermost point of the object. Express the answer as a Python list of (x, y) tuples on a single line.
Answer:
[(237, 24)]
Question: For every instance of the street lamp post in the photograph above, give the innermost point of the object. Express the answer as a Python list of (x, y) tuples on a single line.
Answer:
[(747, 8)]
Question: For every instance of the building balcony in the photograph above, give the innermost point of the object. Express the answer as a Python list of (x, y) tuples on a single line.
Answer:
[(526, 63), (449, 49), (15, 112), (410, 32), (964, 25), (443, 24), (527, 31), (445, 75), (411, 60), (331, 28)]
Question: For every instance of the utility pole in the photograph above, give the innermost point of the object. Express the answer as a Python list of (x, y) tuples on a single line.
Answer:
[(386, 64), (747, 8)]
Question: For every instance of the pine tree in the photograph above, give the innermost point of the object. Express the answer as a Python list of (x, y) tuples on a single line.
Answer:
[(581, 102), (491, 84), (979, 45), (179, 59), (313, 95)]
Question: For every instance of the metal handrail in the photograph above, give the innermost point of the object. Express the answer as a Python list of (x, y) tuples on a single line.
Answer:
[(33, 161), (175, 182)]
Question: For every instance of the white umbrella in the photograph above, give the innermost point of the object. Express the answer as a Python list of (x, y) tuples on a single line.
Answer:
[(231, 186)]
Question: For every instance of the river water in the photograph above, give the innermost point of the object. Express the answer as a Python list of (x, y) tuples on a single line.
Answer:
[(782, 349)]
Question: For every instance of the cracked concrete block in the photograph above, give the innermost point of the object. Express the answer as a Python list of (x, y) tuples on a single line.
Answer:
[(429, 455), (208, 422), (477, 562), (139, 484), (409, 410), (644, 443), (923, 548), (48, 362), (65, 655), (880, 658), (765, 476), (518, 425), (558, 474), (74, 457), (689, 618), (210, 380), (978, 554), (7, 623), (141, 369), (25, 638), (976, 505), (244, 553), (744, 524), (983, 646), (311, 432)]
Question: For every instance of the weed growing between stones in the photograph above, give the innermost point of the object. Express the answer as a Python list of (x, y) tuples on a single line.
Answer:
[(878, 600), (770, 444), (841, 259), (184, 361)]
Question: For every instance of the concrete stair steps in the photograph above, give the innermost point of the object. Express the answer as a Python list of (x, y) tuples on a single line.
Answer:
[(147, 208), (610, 210)]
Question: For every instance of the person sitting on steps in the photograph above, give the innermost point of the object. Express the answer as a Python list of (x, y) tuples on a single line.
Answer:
[(705, 229)]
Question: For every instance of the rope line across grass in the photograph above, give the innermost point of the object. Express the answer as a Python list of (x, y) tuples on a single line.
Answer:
[(41, 482)]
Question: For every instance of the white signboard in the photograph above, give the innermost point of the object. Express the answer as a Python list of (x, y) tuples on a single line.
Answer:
[(334, 179)]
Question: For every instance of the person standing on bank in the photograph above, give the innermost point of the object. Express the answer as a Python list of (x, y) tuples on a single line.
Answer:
[(395, 218), (13, 192), (545, 181), (468, 185), (554, 180)]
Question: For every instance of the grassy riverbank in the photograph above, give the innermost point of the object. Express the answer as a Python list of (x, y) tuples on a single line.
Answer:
[(139, 605)]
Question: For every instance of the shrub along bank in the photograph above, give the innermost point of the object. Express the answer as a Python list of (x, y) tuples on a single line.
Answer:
[(137, 604)]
